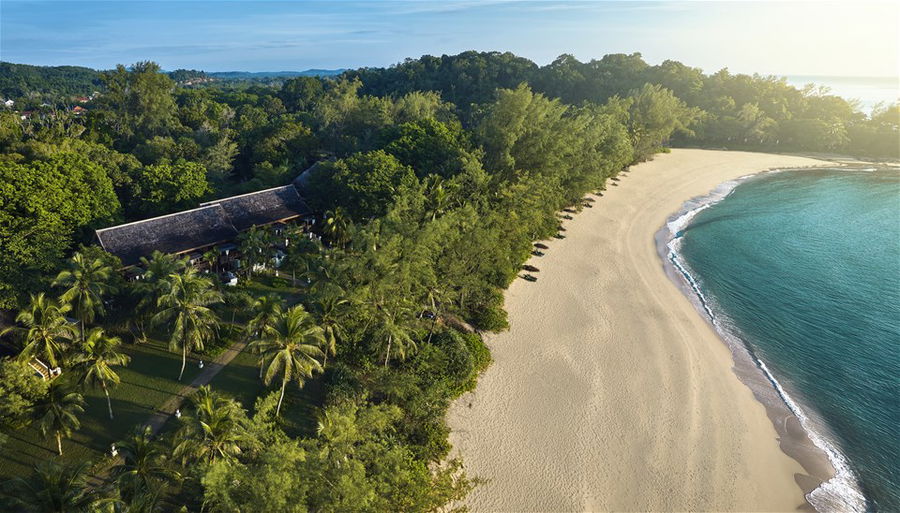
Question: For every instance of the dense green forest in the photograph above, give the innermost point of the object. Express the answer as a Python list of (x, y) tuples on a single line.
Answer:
[(32, 87), (26, 82), (733, 110), (432, 178)]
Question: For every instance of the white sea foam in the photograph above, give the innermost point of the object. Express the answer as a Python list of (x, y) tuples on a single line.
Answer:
[(841, 493)]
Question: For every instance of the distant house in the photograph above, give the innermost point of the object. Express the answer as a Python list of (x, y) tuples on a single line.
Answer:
[(83, 99), (215, 224), (8, 103), (26, 114), (78, 110)]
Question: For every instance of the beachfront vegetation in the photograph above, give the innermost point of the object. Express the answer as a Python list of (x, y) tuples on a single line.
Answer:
[(432, 178)]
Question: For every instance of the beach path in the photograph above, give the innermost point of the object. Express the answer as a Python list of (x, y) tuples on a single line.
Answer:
[(610, 392)]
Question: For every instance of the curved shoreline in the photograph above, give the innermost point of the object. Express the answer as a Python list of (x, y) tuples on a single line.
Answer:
[(804, 437), (610, 392)]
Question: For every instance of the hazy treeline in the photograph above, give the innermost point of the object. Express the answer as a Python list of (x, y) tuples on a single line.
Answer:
[(35, 87)]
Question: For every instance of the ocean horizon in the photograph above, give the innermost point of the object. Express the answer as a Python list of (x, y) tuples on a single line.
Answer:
[(803, 268), (869, 92)]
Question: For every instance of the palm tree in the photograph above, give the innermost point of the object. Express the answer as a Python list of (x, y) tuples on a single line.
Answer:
[(144, 467), (148, 501), (47, 332), (305, 265), (51, 488), (290, 347), (59, 411), (434, 296), (329, 310), (337, 226), (211, 258), (394, 332), (255, 245), (213, 430), (185, 303), (86, 282), (437, 197), (268, 309), (153, 284), (99, 353)]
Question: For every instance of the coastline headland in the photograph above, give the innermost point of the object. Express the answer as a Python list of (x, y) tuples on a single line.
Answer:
[(611, 391)]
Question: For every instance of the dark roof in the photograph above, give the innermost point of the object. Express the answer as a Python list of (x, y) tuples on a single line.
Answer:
[(302, 180), (173, 233), (263, 207)]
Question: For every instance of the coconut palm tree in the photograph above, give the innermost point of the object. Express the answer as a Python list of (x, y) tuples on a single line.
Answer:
[(330, 309), (213, 430), (98, 354), (304, 265), (47, 332), (58, 412), (436, 195), (86, 282), (185, 305), (290, 347), (154, 282), (51, 488), (268, 309), (158, 269), (433, 299), (337, 226), (148, 501), (211, 258), (143, 467), (256, 247), (394, 332)]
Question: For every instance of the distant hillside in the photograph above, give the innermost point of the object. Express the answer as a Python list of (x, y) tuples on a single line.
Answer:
[(23, 80), (248, 75), (18, 80)]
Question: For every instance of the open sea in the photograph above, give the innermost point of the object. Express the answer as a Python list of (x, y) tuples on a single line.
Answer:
[(867, 91), (803, 268)]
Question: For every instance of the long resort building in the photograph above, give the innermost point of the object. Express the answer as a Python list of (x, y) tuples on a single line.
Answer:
[(213, 225)]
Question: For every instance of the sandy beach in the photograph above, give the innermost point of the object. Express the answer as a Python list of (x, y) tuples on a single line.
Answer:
[(610, 392)]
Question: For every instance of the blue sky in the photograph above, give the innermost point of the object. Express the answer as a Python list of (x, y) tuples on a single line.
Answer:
[(801, 38)]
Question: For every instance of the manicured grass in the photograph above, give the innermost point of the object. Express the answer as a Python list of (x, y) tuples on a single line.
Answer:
[(240, 379), (265, 284), (147, 383)]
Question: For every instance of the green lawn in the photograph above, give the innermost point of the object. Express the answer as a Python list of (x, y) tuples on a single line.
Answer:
[(240, 379), (147, 383), (265, 284)]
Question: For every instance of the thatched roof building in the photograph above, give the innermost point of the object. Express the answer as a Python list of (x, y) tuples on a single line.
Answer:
[(214, 223), (176, 233), (263, 207)]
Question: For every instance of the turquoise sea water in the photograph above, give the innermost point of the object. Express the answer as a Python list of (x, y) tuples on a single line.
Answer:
[(803, 266)]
